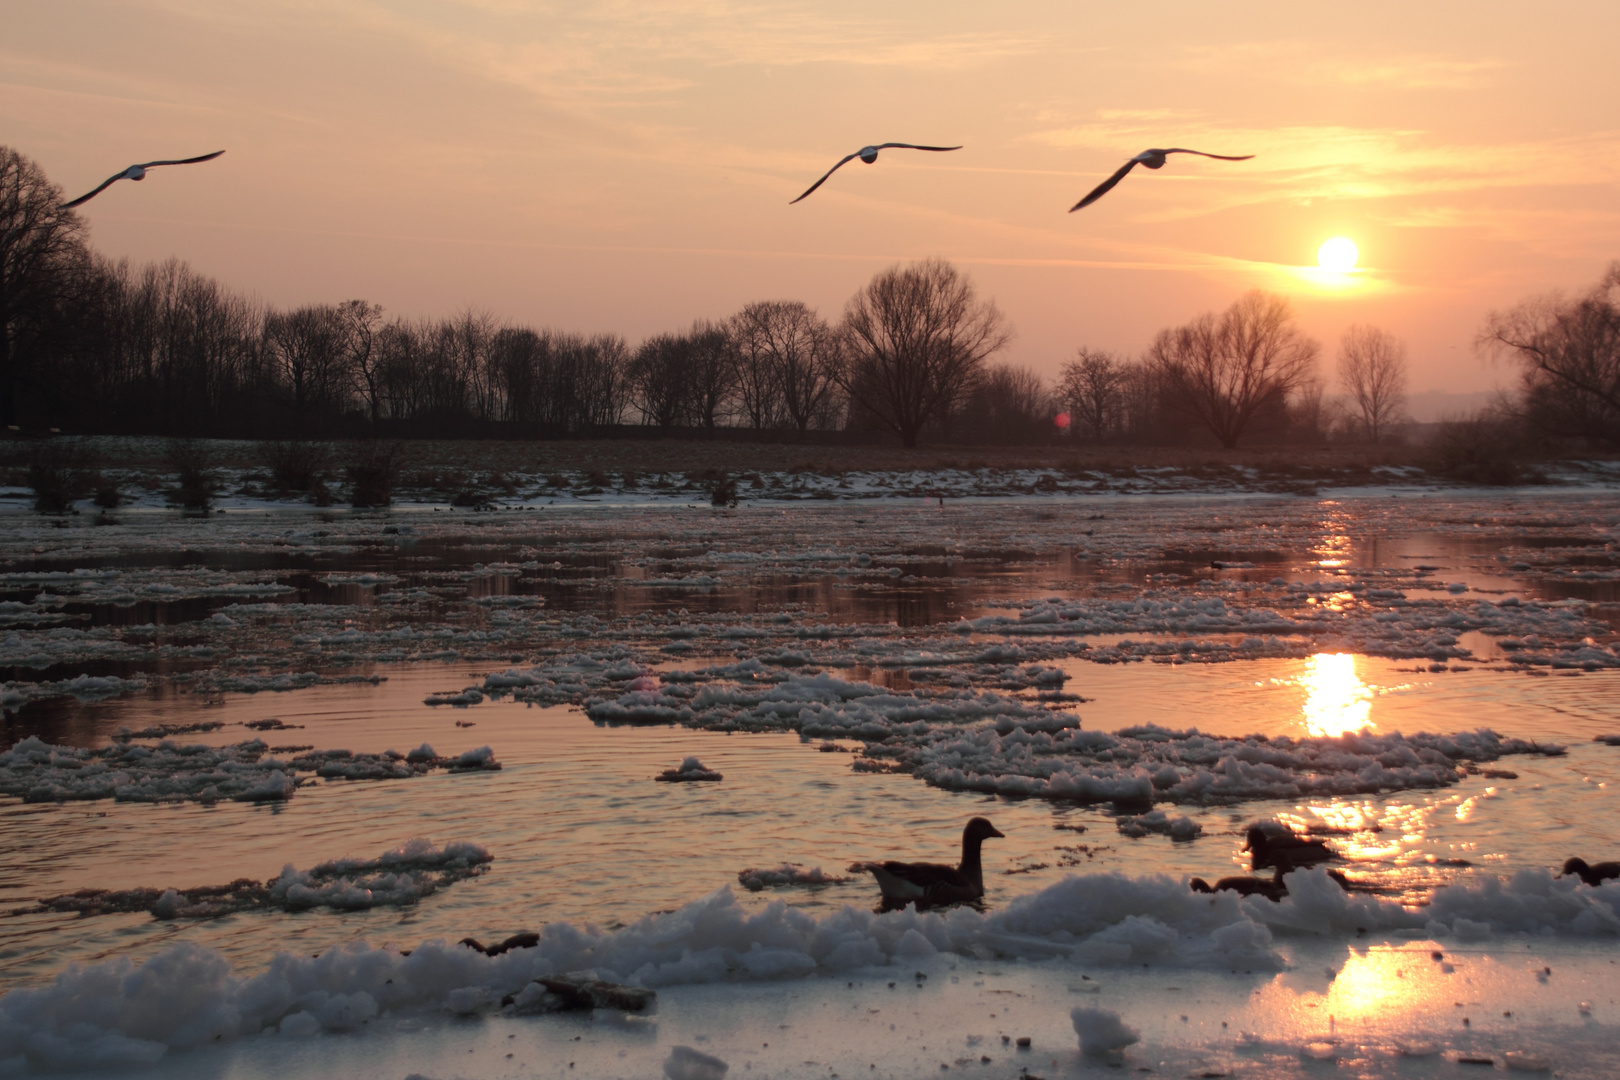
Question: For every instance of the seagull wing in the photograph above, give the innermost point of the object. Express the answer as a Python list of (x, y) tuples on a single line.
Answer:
[(1105, 187), (828, 173), (184, 161), (1200, 153), (147, 165), (911, 146), (105, 184)]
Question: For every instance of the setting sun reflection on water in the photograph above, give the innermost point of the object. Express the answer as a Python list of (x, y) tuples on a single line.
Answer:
[(1336, 700)]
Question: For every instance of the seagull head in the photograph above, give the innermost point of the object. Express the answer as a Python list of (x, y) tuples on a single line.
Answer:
[(135, 172), (1153, 159), (868, 154)]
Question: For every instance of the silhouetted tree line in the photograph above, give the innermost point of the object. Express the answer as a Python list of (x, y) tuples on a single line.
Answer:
[(92, 345)]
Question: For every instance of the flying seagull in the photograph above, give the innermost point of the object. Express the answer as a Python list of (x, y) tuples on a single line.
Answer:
[(869, 154), (137, 172), (1153, 159)]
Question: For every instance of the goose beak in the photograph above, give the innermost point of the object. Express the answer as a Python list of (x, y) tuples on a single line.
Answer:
[(997, 832)]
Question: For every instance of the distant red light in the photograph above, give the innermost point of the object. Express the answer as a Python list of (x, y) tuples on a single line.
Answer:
[(1061, 420)]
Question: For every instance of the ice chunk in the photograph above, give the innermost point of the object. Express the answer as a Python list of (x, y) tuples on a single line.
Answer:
[(685, 1063), (1102, 1032)]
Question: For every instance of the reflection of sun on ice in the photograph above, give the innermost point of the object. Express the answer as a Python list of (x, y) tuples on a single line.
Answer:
[(1336, 700), (1338, 255)]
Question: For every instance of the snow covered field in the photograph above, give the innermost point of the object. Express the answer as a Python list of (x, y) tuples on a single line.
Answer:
[(1122, 684)]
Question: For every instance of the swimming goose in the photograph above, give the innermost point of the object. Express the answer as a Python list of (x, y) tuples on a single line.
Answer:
[(136, 172), (525, 940), (1272, 888), (934, 884), (869, 154), (1284, 850), (1152, 159), (1592, 875)]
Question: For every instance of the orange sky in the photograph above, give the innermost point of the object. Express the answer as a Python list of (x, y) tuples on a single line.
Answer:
[(627, 167)]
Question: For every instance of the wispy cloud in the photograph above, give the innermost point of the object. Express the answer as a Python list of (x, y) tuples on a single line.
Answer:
[(1303, 62), (1302, 163)]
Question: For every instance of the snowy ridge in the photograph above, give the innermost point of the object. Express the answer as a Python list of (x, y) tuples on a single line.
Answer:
[(169, 772), (120, 1013)]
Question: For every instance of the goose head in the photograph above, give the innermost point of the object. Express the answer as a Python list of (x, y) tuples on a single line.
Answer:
[(980, 829), (1574, 866)]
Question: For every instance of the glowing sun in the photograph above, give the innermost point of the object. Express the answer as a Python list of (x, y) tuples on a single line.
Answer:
[(1338, 255)]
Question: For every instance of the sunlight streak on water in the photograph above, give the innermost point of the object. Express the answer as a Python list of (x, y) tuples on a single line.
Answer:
[(1336, 700)]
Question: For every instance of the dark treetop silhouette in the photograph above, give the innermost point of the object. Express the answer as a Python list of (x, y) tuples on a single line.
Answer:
[(1153, 159), (137, 172), (869, 154), (933, 884)]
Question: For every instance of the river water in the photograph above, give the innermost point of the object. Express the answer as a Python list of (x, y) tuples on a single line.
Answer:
[(581, 833)]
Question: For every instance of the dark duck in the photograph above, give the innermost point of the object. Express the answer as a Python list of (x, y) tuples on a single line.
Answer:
[(1277, 847), (935, 884), (1592, 875), (1272, 888)]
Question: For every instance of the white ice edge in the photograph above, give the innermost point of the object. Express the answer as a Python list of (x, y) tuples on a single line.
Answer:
[(119, 1012)]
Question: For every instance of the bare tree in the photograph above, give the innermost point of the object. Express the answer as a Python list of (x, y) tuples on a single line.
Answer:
[(42, 256), (1372, 370), (916, 342), (1223, 370), (1092, 385), (660, 379), (1010, 404), (360, 322), (306, 347), (787, 358), (520, 358), (751, 333), (1569, 355), (712, 361)]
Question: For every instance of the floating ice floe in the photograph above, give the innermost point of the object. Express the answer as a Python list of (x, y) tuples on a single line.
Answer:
[(37, 771), (758, 879), (1377, 621), (399, 876), (14, 695), (690, 770), (1175, 826), (967, 741)]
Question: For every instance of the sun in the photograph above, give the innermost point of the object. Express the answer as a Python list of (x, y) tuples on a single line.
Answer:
[(1338, 255)]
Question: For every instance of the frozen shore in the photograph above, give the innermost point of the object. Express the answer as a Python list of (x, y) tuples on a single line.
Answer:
[(1107, 930)]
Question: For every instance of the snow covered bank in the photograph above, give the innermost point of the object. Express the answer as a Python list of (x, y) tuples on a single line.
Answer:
[(37, 771), (117, 1013)]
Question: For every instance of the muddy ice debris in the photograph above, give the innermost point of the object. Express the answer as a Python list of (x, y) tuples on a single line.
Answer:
[(569, 993)]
